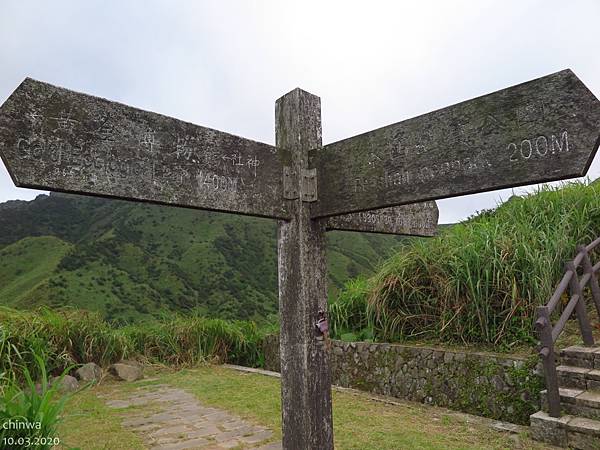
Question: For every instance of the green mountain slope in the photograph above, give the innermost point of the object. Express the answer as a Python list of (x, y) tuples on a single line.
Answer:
[(27, 264), (132, 261)]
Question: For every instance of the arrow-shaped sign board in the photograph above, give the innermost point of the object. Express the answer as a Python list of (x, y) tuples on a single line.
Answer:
[(543, 130), (417, 219), (56, 139)]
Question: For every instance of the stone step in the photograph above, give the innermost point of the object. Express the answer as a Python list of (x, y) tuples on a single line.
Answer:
[(580, 356), (576, 402), (578, 377), (575, 432)]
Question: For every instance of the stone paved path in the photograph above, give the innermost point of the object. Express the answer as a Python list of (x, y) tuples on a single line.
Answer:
[(168, 418)]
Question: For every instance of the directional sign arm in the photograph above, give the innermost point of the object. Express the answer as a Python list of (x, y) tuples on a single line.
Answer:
[(543, 130), (56, 139), (418, 219)]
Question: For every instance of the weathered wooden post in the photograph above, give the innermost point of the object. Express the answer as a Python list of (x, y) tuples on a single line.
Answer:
[(305, 376)]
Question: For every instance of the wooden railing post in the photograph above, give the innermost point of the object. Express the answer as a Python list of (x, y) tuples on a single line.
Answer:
[(582, 317), (548, 335), (588, 268), (544, 329)]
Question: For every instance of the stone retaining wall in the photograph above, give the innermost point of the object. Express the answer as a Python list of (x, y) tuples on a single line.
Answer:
[(502, 387)]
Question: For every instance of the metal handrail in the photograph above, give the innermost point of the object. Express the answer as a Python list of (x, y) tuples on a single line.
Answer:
[(548, 334)]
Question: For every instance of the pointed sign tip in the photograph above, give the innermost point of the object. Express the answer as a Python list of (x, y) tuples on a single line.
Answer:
[(297, 92), (28, 80)]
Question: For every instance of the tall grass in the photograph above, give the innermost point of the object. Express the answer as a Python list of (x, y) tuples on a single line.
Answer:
[(351, 316), (64, 338), (74, 337), (188, 341), (478, 281)]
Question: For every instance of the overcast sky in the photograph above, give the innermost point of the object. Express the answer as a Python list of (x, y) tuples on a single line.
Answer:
[(222, 64)]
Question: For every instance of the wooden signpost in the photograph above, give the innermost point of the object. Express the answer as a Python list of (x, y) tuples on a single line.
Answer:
[(542, 130), (547, 129), (56, 139)]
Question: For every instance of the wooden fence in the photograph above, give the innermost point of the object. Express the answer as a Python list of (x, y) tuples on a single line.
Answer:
[(548, 333)]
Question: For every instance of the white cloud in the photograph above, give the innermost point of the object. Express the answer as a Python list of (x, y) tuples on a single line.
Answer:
[(222, 64)]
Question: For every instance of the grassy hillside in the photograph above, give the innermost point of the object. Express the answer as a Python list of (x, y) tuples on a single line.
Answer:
[(27, 264), (479, 281), (131, 261)]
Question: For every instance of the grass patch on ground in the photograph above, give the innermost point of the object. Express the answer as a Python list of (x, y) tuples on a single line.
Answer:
[(253, 397), (89, 424), (359, 423)]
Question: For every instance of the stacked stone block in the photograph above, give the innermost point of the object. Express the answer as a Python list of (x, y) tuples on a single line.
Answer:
[(579, 424)]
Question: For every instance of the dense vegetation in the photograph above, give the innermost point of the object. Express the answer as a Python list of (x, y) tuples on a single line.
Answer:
[(132, 261), (479, 281), (70, 337)]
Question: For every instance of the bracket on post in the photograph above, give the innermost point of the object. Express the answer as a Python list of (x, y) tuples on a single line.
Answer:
[(307, 185), (290, 183)]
